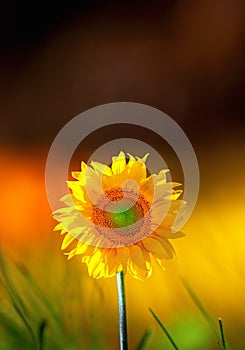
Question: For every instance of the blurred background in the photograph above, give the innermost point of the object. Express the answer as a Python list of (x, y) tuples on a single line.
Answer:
[(186, 58)]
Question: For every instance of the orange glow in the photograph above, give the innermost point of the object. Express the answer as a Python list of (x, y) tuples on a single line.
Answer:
[(25, 214)]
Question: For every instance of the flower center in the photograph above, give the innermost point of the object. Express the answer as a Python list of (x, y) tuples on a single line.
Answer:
[(122, 217)]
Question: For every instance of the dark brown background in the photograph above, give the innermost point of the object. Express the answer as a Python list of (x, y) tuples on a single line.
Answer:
[(183, 57)]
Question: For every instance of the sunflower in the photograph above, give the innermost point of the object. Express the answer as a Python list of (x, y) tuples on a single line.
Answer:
[(118, 219)]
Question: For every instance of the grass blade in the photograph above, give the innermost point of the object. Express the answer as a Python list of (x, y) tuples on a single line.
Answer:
[(145, 339), (11, 328), (41, 331), (218, 332), (222, 334), (17, 302), (201, 307), (164, 329), (9, 285), (38, 291)]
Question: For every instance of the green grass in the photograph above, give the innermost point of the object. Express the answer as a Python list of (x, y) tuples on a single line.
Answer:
[(32, 318)]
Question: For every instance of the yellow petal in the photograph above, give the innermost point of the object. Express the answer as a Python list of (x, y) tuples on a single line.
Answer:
[(137, 272), (67, 241), (94, 263), (175, 195), (101, 168), (137, 172), (58, 227), (100, 271), (110, 182), (113, 265), (137, 256), (155, 247), (169, 249), (78, 250), (78, 175), (142, 160), (164, 232), (89, 253), (174, 235), (160, 210), (161, 177), (161, 263), (63, 211), (93, 181), (165, 191), (131, 161), (118, 163), (77, 190), (147, 189), (123, 255)]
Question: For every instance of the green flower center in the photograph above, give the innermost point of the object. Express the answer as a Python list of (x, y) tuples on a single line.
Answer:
[(123, 217)]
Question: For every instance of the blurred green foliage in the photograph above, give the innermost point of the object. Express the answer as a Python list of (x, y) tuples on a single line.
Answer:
[(31, 319)]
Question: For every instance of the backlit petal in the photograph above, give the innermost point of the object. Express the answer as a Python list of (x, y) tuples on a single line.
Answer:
[(118, 163)]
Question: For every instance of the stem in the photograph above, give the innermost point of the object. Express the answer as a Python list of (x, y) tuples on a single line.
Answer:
[(122, 311)]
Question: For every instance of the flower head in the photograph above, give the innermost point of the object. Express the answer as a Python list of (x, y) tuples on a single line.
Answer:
[(118, 218)]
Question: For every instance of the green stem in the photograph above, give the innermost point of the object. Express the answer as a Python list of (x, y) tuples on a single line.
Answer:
[(122, 311)]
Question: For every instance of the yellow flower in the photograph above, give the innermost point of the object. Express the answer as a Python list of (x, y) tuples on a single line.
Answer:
[(118, 218)]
